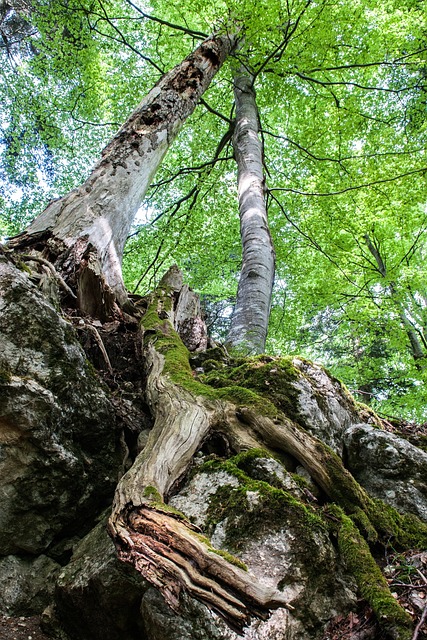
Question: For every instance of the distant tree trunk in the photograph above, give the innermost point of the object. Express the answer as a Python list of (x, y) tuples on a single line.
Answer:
[(415, 344), (84, 232), (249, 322)]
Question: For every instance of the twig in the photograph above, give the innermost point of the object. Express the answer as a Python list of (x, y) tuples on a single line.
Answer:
[(420, 624), (101, 346), (49, 265), (422, 575)]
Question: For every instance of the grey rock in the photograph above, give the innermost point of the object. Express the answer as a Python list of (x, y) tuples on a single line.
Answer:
[(195, 622), (26, 584), (388, 467), (97, 597), (279, 550), (324, 407), (58, 443), (271, 471), (193, 500)]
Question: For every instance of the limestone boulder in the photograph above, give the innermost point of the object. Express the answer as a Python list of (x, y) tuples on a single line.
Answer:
[(280, 540), (26, 584), (97, 597), (322, 404), (388, 467), (58, 441)]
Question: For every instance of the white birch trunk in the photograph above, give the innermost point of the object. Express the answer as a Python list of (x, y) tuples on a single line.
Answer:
[(249, 322), (89, 226)]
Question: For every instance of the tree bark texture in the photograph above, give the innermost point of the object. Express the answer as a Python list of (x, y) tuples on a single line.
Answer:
[(84, 232), (164, 546), (249, 322)]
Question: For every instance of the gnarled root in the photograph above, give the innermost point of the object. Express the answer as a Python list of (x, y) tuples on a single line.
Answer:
[(173, 557)]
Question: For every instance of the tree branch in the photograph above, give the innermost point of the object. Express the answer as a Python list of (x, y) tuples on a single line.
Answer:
[(354, 188), (177, 27)]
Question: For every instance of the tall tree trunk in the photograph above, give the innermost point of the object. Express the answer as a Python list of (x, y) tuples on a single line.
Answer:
[(249, 322), (84, 232)]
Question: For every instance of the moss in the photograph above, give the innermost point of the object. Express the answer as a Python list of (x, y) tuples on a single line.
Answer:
[(156, 501), (170, 345), (344, 489), (213, 365), (5, 376), (177, 362), (230, 558), (275, 507), (152, 494), (372, 585), (23, 266), (300, 481), (363, 523), (406, 531), (368, 414), (268, 377), (375, 518), (245, 397), (243, 459)]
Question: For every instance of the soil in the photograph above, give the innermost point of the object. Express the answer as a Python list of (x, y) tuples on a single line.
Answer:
[(21, 628)]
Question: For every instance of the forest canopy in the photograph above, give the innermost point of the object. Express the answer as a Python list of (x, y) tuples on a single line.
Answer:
[(341, 96)]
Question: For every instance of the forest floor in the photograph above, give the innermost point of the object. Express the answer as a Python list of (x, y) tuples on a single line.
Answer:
[(21, 628)]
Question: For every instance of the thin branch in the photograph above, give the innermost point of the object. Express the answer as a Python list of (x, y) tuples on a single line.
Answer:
[(187, 170), (420, 623), (190, 32), (214, 111), (122, 40), (152, 263), (354, 188), (300, 147), (49, 265), (311, 241), (388, 63), (326, 83), (410, 252), (282, 46)]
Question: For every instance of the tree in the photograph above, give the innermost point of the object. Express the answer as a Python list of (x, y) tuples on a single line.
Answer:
[(246, 404), (88, 228), (251, 313)]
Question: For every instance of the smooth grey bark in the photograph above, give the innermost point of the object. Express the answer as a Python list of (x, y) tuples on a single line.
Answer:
[(415, 344), (251, 313), (86, 230)]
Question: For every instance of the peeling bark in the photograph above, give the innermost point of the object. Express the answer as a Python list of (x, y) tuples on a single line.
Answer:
[(83, 233), (250, 317)]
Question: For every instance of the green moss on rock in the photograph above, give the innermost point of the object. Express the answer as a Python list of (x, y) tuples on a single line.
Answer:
[(372, 585), (5, 376), (230, 558), (269, 378), (270, 507)]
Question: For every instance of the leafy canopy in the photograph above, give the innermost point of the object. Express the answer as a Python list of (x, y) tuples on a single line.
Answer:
[(342, 99)]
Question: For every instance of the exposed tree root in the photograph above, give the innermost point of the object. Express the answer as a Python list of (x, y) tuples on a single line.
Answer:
[(173, 557), (168, 551)]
